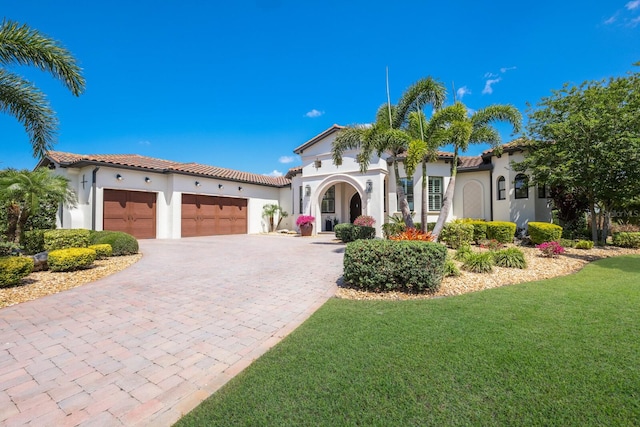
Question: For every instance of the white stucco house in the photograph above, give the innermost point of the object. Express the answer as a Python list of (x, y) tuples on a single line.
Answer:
[(153, 198)]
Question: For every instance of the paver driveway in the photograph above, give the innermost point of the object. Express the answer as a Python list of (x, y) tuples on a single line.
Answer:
[(146, 345)]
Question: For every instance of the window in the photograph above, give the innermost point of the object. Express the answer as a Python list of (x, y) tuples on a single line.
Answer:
[(407, 185), (502, 188), (521, 186), (435, 193), (543, 191), (329, 200), (300, 201)]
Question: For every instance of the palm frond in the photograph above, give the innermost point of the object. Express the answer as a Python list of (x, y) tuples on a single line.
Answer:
[(498, 113), (348, 138), (21, 99), (25, 46), (424, 91)]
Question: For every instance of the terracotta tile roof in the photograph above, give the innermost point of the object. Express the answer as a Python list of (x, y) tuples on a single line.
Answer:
[(136, 161), (518, 144), (293, 172), (468, 162)]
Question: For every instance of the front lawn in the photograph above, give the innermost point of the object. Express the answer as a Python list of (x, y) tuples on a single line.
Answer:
[(563, 351)]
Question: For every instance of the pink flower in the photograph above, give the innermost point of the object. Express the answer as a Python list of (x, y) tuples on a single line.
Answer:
[(304, 220)]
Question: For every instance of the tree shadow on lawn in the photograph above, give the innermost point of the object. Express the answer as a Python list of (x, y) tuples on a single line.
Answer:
[(626, 263)]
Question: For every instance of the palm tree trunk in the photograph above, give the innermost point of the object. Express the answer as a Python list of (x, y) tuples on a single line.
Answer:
[(402, 198), (13, 214), (594, 223), (447, 201), (20, 225), (425, 204)]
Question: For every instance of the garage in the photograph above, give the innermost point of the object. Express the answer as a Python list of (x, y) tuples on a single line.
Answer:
[(212, 215), (133, 212)]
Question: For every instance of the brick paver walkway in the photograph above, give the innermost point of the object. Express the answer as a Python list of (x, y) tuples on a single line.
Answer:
[(146, 345)]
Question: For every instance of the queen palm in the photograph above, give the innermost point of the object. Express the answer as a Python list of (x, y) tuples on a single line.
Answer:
[(21, 45), (453, 125), (389, 133), (22, 193)]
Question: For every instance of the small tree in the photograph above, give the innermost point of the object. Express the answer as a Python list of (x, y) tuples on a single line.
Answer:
[(271, 212)]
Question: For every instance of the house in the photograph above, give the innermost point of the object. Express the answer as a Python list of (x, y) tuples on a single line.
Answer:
[(153, 198)]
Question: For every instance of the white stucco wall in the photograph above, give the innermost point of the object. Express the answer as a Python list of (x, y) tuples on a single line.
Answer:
[(480, 181)]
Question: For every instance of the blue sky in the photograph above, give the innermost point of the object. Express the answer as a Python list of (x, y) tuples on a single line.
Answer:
[(241, 84)]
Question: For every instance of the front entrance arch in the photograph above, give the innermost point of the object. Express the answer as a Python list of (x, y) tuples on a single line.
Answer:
[(355, 207)]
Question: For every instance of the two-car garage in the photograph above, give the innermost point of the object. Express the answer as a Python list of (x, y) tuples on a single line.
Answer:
[(134, 212)]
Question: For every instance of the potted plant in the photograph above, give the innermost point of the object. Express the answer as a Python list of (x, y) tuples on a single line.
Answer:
[(305, 222)]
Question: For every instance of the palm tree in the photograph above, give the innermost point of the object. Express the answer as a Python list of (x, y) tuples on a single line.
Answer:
[(389, 133), (21, 45), (22, 193), (453, 125)]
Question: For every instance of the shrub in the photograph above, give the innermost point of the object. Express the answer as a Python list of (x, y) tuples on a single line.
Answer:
[(9, 248), (541, 232), (451, 269), (392, 228), (502, 231), (479, 229), (550, 249), (365, 220), (511, 258), (492, 245), (414, 234), (121, 243), (584, 244), (14, 268), (103, 250), (394, 265), (71, 259), (63, 239), (456, 234), (462, 253), (627, 239), (349, 232), (567, 243), (625, 227), (479, 262), (343, 232), (33, 241)]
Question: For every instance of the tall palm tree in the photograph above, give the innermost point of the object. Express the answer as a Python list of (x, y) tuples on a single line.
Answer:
[(22, 193), (21, 45), (389, 133), (453, 125)]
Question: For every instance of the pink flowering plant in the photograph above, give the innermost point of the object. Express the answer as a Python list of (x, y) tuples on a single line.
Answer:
[(364, 221), (304, 220), (550, 249)]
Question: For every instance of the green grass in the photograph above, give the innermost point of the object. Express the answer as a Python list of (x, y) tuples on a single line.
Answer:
[(558, 352)]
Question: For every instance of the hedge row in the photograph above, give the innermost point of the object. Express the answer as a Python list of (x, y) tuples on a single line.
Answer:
[(540, 232), (394, 265), (626, 239), (70, 259), (14, 268), (349, 232)]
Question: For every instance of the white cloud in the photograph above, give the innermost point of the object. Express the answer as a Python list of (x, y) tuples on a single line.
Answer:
[(274, 173), (490, 75), (460, 93), (314, 113), (632, 5), (287, 159), (611, 20), (144, 142), (635, 21), (488, 89), (505, 69)]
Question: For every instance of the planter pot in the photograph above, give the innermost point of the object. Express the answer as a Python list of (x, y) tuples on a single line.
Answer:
[(306, 230)]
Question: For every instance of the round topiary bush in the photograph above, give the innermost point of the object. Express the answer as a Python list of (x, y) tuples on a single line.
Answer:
[(103, 250), (13, 269), (71, 259), (541, 232), (502, 231), (121, 243)]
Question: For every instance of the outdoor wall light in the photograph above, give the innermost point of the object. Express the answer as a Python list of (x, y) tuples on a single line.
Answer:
[(220, 186), (119, 177), (369, 187), (307, 191), (198, 184), (239, 188), (318, 164), (147, 179)]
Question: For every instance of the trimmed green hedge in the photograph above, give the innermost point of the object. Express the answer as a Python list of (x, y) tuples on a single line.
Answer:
[(33, 241), (540, 232), (103, 250), (584, 244), (70, 259), (479, 229), (14, 268), (456, 234), (121, 243), (502, 231), (349, 232), (63, 239), (384, 265), (626, 239)]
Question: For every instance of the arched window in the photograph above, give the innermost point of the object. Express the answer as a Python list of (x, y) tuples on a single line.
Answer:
[(521, 186), (502, 188)]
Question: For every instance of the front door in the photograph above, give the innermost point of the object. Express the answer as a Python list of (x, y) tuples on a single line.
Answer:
[(355, 207)]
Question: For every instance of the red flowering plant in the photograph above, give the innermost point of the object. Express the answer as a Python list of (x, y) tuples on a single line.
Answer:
[(550, 249), (413, 234), (304, 220), (364, 221)]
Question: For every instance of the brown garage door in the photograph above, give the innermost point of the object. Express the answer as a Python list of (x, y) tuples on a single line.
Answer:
[(133, 212), (212, 215)]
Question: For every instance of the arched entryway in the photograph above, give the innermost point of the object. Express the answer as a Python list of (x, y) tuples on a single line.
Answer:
[(355, 207)]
